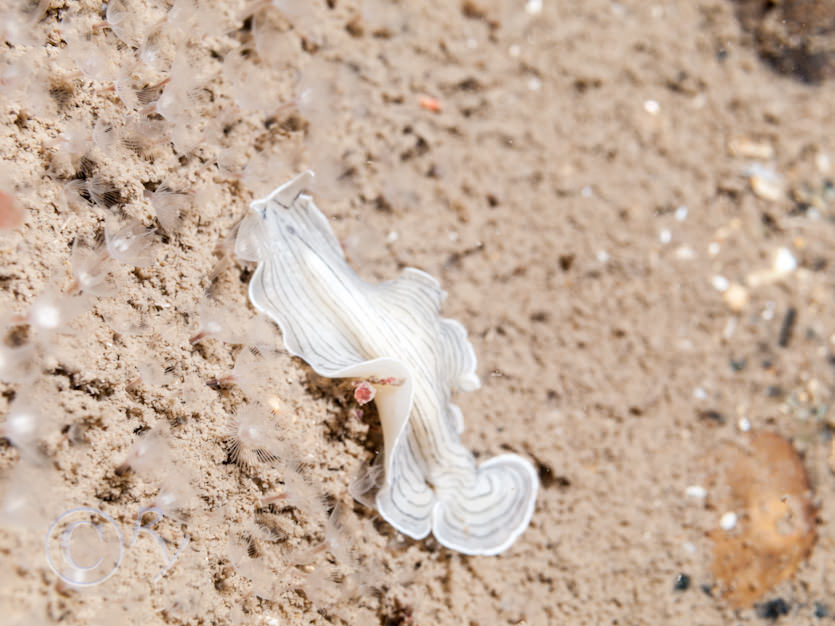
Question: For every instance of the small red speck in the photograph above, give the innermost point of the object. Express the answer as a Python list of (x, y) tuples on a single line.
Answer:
[(430, 104), (364, 393)]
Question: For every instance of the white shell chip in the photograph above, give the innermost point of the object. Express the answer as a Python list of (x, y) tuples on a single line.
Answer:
[(344, 327)]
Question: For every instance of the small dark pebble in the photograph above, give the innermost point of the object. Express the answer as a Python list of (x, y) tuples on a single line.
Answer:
[(682, 582), (712, 415), (819, 264), (706, 589), (738, 365), (768, 220), (773, 609), (774, 391), (821, 610)]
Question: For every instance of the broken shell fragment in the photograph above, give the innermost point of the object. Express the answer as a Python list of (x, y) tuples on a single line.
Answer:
[(771, 529), (750, 148), (736, 297), (767, 184)]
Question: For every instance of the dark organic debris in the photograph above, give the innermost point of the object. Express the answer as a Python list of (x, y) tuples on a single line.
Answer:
[(795, 37), (787, 327), (713, 416), (548, 478)]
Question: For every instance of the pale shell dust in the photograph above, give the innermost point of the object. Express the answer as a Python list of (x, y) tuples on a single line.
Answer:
[(632, 218)]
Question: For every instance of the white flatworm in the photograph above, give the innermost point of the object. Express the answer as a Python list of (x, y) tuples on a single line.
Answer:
[(344, 327)]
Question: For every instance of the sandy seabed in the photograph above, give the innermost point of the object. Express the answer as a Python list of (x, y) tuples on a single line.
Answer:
[(632, 216)]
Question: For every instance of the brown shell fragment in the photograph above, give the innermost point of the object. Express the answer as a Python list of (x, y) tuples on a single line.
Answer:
[(767, 487)]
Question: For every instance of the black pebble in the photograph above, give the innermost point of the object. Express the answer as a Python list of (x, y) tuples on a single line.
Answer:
[(682, 582), (773, 609), (821, 610)]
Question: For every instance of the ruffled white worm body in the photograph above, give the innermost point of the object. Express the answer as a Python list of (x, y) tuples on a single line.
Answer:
[(344, 327)]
